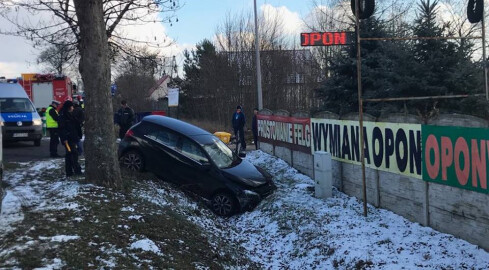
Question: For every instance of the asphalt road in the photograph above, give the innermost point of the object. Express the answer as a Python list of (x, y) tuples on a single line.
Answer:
[(26, 151)]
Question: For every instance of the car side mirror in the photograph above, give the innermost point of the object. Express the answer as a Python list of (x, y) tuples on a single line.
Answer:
[(242, 155)]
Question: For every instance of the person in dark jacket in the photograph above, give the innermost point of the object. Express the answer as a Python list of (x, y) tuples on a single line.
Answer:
[(69, 133), (79, 115), (125, 119), (239, 122), (52, 127), (254, 127)]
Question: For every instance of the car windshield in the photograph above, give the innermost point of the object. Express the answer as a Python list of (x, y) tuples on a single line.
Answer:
[(220, 153), (16, 105)]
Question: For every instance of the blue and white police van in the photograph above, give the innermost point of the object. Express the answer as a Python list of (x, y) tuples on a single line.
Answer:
[(20, 120)]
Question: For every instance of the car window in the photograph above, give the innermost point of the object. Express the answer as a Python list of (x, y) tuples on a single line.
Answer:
[(192, 150), (165, 137), (220, 153), (16, 105), (159, 134)]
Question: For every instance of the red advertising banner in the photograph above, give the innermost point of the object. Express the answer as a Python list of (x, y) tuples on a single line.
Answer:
[(291, 132), (327, 38)]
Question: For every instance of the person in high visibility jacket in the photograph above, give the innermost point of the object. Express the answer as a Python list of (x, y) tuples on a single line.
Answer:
[(52, 127)]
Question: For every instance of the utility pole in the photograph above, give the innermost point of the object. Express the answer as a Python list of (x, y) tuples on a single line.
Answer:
[(484, 59), (258, 65), (360, 104)]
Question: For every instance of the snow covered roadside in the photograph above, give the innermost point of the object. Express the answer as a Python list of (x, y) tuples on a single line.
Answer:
[(296, 230), (289, 230), (293, 230), (26, 192), (51, 222)]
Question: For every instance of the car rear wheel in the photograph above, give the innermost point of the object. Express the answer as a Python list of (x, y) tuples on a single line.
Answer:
[(223, 204), (133, 161)]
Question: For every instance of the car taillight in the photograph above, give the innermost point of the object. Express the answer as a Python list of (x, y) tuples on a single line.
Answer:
[(129, 133)]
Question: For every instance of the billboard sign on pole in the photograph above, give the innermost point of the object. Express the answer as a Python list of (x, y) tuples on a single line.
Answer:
[(173, 97)]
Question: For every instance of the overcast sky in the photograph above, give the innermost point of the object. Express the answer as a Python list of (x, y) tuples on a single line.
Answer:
[(197, 19)]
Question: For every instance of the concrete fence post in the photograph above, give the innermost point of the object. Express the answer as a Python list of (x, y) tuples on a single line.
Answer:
[(323, 175)]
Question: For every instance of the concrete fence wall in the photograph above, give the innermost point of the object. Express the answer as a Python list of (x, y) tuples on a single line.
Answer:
[(452, 210)]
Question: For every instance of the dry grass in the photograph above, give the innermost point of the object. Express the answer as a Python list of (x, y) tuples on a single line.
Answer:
[(106, 230), (210, 126)]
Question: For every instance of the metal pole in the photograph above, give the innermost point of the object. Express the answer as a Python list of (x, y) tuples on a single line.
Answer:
[(484, 54), (258, 65), (418, 38), (420, 98), (360, 105)]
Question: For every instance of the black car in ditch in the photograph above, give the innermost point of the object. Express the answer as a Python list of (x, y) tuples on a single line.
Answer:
[(197, 161)]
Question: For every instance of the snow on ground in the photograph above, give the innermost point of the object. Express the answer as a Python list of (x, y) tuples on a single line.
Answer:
[(146, 245), (289, 230), (11, 212), (294, 229), (60, 238)]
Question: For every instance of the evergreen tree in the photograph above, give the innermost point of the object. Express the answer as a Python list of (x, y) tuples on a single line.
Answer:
[(339, 91), (407, 69), (194, 60), (441, 67)]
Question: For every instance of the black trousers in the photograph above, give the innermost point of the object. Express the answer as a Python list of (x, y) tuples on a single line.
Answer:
[(71, 160), (53, 141), (122, 131), (255, 138), (241, 137)]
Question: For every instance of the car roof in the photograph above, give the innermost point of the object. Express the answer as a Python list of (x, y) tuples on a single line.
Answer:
[(176, 125), (12, 90)]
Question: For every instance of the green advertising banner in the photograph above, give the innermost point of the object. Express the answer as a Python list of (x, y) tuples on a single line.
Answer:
[(456, 156)]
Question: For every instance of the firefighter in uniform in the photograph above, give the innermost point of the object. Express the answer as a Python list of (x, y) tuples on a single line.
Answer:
[(52, 127)]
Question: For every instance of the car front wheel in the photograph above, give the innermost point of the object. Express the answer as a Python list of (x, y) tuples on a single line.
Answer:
[(223, 204), (132, 161)]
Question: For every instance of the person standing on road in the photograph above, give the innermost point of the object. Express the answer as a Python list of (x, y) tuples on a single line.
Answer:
[(79, 115), (125, 118), (239, 122), (69, 133), (254, 127), (52, 127)]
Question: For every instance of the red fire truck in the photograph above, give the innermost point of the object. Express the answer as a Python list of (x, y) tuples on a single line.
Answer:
[(44, 88)]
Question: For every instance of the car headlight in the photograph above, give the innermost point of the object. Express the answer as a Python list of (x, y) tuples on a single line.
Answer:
[(37, 122)]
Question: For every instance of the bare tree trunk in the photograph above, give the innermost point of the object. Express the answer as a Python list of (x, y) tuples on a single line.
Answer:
[(102, 166)]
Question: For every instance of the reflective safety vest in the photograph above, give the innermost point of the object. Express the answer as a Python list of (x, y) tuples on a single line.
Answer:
[(50, 122)]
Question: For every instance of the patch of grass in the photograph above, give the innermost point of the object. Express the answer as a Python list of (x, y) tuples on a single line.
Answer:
[(106, 232), (337, 263), (210, 126), (384, 242), (7, 166), (361, 264), (29, 258)]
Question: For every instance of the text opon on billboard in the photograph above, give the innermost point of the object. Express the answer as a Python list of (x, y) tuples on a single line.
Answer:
[(456, 156), (327, 38), (389, 147)]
